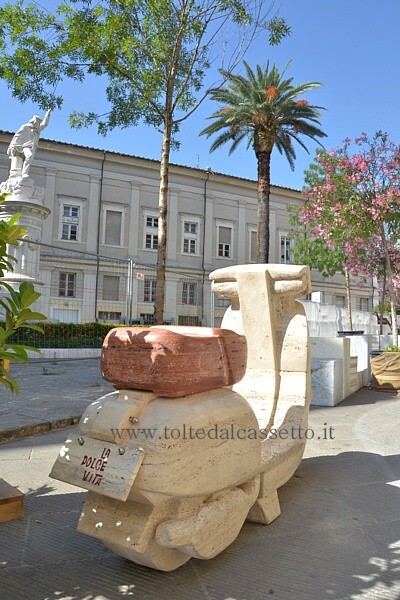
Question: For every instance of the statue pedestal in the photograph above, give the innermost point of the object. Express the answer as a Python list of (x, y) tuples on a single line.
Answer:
[(22, 189), (27, 200)]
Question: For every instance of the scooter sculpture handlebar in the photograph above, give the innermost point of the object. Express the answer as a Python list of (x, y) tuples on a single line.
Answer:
[(187, 449)]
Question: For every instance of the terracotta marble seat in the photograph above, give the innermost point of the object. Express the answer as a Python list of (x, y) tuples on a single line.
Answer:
[(173, 361)]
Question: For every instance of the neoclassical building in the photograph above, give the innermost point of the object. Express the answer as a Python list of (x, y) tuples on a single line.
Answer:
[(99, 243)]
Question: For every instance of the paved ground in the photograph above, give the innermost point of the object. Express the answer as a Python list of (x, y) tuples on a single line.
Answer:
[(52, 395), (338, 536)]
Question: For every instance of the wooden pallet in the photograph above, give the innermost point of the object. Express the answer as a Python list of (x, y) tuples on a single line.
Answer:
[(11, 502)]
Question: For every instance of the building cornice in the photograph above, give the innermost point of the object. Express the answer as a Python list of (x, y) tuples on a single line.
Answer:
[(67, 147)]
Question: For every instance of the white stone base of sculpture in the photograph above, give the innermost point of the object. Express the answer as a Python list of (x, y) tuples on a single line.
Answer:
[(22, 189), (27, 201)]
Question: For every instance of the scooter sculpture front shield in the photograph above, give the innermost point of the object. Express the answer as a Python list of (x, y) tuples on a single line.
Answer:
[(189, 447)]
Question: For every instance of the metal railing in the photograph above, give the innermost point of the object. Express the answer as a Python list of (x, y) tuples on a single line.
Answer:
[(82, 288)]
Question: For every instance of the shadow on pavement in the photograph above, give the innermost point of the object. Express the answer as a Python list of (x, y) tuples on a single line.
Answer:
[(338, 538), (368, 396)]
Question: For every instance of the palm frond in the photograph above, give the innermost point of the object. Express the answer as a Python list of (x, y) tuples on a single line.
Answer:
[(277, 118), (222, 139), (238, 139)]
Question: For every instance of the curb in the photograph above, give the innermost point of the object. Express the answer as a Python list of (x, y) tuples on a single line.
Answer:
[(10, 435)]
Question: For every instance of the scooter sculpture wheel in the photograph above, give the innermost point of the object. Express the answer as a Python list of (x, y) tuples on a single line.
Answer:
[(164, 533)]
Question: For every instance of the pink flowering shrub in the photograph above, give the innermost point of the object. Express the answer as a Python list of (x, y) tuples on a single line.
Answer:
[(352, 209)]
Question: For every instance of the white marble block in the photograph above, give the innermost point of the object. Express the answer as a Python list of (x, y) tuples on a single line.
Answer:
[(326, 381)]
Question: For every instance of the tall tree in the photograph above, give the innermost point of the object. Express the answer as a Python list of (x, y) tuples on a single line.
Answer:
[(353, 204), (314, 251), (264, 108), (325, 245), (154, 56)]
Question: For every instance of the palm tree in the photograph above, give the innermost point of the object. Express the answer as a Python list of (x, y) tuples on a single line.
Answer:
[(264, 108)]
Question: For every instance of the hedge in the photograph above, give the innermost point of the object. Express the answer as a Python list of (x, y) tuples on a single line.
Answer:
[(65, 335)]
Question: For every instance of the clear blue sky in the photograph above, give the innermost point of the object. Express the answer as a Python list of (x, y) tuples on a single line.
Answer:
[(350, 46)]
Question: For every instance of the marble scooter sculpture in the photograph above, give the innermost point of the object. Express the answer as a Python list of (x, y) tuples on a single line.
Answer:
[(172, 474)]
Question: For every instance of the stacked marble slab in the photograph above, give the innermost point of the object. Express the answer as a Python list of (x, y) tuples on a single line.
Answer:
[(339, 367)]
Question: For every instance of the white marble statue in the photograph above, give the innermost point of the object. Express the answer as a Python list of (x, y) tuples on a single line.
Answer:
[(23, 145), (25, 199)]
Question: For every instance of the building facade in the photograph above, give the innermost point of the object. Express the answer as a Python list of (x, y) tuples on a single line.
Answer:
[(99, 243)]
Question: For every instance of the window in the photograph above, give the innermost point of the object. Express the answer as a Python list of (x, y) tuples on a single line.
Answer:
[(66, 315), (112, 227), (151, 232), (364, 304), (67, 285), (114, 317), (189, 246), (224, 241), (253, 245), (110, 287), (318, 297), (149, 290), (152, 222), (221, 302), (189, 293), (190, 237), (147, 319), (285, 243), (151, 241), (70, 222), (190, 227), (70, 218), (188, 320), (340, 301)]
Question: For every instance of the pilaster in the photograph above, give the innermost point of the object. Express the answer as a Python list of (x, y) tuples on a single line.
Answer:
[(93, 214)]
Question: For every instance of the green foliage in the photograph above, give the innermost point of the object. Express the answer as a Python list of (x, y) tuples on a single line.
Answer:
[(65, 335), (311, 251), (386, 309), (263, 107), (378, 309), (278, 29), (16, 306), (392, 348), (18, 314), (10, 232), (153, 55)]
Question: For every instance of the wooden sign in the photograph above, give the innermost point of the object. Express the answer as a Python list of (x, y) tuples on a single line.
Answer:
[(98, 466)]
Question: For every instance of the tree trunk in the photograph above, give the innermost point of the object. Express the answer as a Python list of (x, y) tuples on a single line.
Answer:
[(395, 334), (382, 309), (263, 193), (162, 224), (390, 289), (164, 168), (392, 306), (349, 313)]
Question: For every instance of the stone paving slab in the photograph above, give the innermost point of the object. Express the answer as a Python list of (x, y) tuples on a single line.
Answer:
[(52, 394)]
